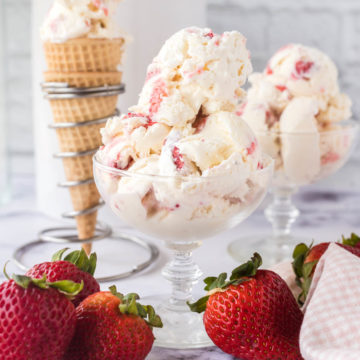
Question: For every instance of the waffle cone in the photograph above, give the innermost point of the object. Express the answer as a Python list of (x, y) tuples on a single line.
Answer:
[(84, 55), (78, 139), (84, 197), (84, 79), (83, 109)]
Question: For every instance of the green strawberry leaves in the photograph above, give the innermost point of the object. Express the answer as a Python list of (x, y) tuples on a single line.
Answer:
[(247, 269), (302, 271), (22, 280), (59, 254), (239, 275), (200, 305), (353, 240), (78, 258), (130, 306), (69, 288), (213, 282)]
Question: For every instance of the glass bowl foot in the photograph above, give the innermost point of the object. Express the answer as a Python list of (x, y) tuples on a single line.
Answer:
[(182, 329), (272, 250)]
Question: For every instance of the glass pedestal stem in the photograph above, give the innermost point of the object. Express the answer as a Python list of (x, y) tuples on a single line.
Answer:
[(282, 214), (183, 273)]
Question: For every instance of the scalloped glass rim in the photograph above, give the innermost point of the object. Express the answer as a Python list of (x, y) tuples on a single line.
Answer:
[(266, 158), (345, 125)]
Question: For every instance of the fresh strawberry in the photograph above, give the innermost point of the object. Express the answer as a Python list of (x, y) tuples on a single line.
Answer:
[(253, 316), (37, 321), (76, 266), (306, 258), (112, 326)]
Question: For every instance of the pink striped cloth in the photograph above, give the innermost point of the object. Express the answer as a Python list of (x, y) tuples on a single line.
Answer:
[(331, 327)]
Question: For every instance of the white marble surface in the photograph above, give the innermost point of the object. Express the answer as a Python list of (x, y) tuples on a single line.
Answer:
[(325, 216)]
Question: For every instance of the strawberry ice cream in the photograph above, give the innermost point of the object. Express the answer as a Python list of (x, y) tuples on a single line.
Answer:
[(69, 19), (184, 130), (294, 106), (195, 69)]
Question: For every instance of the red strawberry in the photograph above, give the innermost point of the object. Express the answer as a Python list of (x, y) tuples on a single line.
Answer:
[(306, 258), (37, 321), (76, 266), (253, 316), (112, 326)]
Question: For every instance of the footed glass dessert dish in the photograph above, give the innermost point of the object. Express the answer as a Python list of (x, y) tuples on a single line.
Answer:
[(182, 211), (300, 159)]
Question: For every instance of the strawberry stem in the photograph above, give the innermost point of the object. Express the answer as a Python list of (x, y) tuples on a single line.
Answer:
[(78, 258), (302, 270), (353, 240), (4, 270), (130, 306), (238, 276)]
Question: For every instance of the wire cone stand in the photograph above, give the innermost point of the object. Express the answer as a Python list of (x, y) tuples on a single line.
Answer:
[(79, 139)]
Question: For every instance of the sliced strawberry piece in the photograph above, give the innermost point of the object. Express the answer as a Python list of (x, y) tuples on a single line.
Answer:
[(302, 69), (281, 87), (251, 149), (157, 95), (241, 109), (268, 70), (152, 73), (177, 158), (330, 157), (149, 121)]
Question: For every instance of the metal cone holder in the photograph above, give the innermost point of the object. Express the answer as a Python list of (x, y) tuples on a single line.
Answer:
[(66, 234)]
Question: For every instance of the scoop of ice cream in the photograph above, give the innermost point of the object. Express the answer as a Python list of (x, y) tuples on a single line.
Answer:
[(181, 151), (201, 156), (296, 98), (195, 69), (300, 140), (68, 19), (183, 114), (297, 70)]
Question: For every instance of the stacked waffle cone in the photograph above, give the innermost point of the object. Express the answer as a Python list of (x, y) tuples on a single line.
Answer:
[(83, 63)]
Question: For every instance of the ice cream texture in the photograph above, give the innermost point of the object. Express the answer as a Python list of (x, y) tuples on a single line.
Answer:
[(69, 19), (294, 106), (185, 131)]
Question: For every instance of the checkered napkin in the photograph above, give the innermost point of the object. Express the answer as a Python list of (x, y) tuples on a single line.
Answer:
[(331, 327)]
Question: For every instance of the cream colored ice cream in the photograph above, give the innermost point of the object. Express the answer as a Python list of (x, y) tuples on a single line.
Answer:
[(297, 99), (184, 130), (195, 68), (69, 19)]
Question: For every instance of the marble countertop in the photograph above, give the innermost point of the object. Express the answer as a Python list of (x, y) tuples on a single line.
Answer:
[(326, 215)]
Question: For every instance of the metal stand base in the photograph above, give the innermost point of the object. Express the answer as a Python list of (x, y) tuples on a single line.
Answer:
[(46, 237)]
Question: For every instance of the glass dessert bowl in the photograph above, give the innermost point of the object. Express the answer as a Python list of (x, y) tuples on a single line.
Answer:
[(182, 211), (301, 158)]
